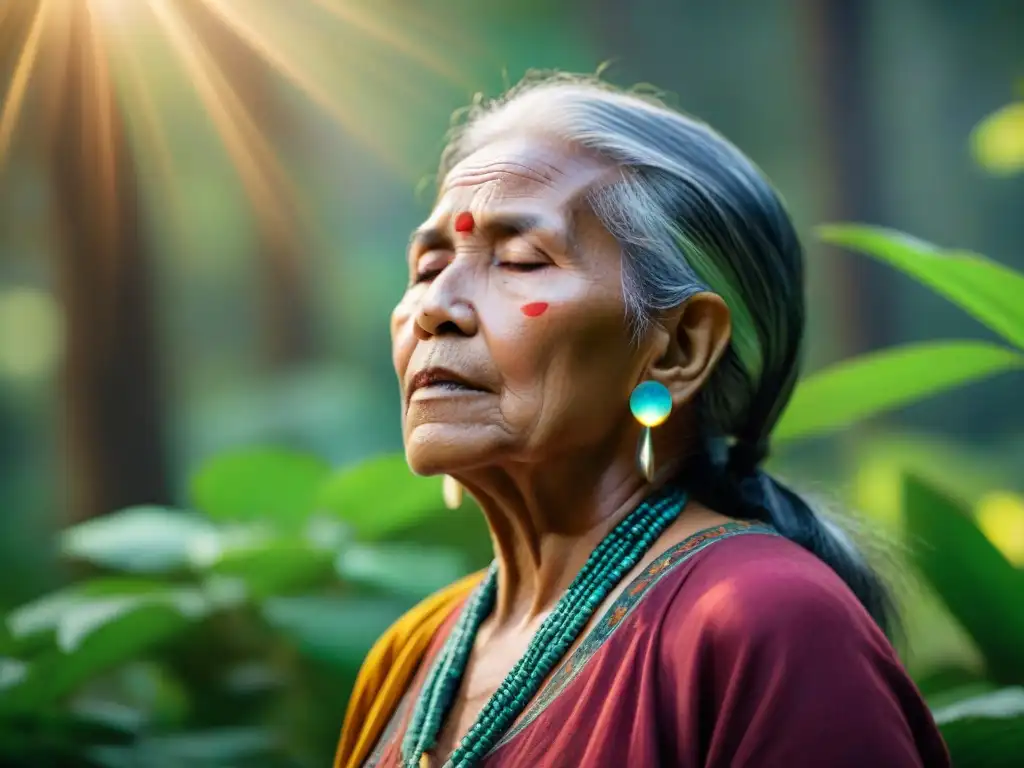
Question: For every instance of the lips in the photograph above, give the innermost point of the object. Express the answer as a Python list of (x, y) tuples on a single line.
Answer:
[(442, 378)]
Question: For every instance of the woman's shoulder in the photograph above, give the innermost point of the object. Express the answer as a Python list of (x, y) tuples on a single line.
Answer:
[(764, 635), (768, 597), (765, 591)]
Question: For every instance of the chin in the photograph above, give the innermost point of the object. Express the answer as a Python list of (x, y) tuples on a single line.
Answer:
[(438, 449)]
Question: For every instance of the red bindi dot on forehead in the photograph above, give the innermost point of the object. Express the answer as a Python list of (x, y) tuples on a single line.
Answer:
[(534, 309), (464, 222)]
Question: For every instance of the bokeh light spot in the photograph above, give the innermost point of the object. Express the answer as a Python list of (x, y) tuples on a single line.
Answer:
[(30, 333), (1000, 516)]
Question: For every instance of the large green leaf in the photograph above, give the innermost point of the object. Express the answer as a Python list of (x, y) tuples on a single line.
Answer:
[(265, 484), (986, 289), (881, 381), (53, 737), (380, 497), (402, 569), (948, 683), (77, 612), (462, 530), (218, 748), (44, 614), (985, 731), (979, 587), (94, 638), (140, 539), (277, 566), (336, 630)]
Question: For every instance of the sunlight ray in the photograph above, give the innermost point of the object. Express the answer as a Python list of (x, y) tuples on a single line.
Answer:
[(24, 68), (249, 152), (53, 67), (286, 67), (150, 132), (378, 30), (99, 113)]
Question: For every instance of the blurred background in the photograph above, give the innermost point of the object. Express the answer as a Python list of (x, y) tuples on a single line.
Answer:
[(204, 209)]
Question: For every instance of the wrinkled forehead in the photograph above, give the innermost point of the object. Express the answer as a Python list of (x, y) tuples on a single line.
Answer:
[(519, 172)]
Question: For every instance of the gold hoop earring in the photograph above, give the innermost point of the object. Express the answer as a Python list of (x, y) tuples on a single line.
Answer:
[(451, 490), (651, 404)]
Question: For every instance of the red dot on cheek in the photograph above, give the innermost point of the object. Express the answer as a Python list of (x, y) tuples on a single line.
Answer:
[(535, 309)]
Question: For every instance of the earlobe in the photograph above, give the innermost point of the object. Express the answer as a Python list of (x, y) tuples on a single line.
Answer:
[(698, 335)]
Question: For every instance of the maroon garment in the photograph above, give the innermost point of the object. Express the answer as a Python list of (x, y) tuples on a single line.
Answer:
[(734, 649)]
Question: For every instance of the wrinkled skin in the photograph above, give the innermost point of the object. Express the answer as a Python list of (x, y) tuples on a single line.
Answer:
[(535, 422)]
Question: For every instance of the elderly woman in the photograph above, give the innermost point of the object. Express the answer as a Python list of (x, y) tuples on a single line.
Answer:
[(602, 325)]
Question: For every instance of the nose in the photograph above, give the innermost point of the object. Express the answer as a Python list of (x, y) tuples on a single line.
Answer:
[(443, 311)]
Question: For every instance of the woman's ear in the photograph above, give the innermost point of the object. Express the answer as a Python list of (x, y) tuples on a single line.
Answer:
[(697, 335)]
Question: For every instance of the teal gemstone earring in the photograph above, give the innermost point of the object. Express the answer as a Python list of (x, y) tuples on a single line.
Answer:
[(651, 403)]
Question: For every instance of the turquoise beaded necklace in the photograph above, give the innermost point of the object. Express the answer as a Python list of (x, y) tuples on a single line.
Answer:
[(610, 561)]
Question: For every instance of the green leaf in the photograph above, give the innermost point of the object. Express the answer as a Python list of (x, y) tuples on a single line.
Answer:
[(402, 569), (336, 630), (12, 672), (99, 637), (268, 485), (963, 567), (206, 749), (77, 612), (988, 290), (949, 682), (985, 731), (382, 496), (44, 613), (140, 539), (53, 737), (882, 381), (278, 566), (463, 531)]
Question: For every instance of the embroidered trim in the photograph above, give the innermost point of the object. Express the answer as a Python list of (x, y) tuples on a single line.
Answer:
[(624, 604)]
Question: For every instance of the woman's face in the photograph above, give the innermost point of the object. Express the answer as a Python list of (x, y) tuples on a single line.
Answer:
[(511, 343)]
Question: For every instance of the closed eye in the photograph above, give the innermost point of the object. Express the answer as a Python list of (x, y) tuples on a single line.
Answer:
[(430, 265), (523, 266), (427, 275), (519, 255)]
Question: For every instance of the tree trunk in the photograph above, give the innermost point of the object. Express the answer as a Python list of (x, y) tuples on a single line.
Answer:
[(838, 34), (113, 403)]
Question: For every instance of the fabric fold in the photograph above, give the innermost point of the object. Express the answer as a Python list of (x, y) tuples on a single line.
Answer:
[(389, 669)]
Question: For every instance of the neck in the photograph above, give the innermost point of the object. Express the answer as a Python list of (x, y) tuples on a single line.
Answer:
[(544, 523)]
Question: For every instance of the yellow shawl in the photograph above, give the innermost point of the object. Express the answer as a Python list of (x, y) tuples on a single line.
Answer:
[(388, 671)]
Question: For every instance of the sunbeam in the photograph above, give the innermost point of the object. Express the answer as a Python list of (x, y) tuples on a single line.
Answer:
[(259, 43), (141, 108), (249, 151), (24, 68), (342, 59), (389, 35)]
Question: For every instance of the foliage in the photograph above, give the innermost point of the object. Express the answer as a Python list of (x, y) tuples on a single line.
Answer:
[(981, 589), (230, 633), (983, 726), (985, 730), (287, 572), (856, 389)]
